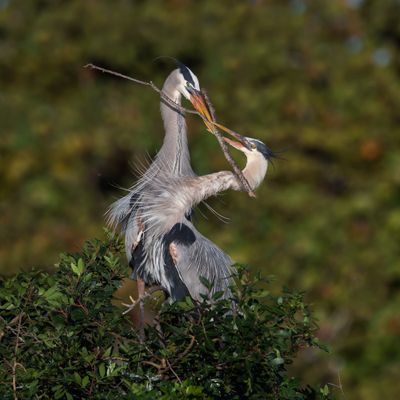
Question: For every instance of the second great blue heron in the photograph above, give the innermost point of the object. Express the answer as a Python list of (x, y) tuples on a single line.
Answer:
[(173, 159), (177, 252)]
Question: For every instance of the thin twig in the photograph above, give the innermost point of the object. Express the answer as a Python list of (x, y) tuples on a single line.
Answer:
[(173, 371), (237, 171), (172, 103), (153, 364), (340, 386), (15, 363), (187, 350)]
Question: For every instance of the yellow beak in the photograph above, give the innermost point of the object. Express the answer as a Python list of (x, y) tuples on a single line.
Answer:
[(235, 144), (198, 101)]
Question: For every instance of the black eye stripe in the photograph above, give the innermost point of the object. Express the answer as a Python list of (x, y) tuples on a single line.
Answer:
[(186, 74), (263, 149)]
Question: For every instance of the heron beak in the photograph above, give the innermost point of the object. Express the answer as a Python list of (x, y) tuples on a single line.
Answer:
[(233, 143), (243, 141), (199, 103)]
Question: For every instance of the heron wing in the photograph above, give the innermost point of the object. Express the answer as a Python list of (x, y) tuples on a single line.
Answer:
[(189, 257)]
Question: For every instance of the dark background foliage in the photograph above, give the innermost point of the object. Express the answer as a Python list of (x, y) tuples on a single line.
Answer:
[(319, 80)]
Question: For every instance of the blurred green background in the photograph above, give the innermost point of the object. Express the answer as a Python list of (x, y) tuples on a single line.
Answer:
[(317, 80)]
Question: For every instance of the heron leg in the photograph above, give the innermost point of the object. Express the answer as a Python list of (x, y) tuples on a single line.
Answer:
[(142, 295), (174, 252)]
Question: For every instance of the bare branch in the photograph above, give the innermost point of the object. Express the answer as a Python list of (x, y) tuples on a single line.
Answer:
[(237, 171), (153, 364), (15, 363), (187, 350), (174, 105)]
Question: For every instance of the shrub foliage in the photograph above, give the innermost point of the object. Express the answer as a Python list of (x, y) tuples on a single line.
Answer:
[(61, 337)]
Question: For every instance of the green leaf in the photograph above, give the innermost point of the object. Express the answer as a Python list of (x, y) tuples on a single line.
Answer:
[(77, 314), (111, 369), (205, 282), (75, 269), (325, 390), (49, 292), (218, 295), (261, 293), (278, 361), (78, 268), (102, 370), (85, 381), (108, 351), (81, 265), (77, 378)]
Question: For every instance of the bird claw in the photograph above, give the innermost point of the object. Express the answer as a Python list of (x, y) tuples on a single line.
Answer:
[(131, 306), (140, 299)]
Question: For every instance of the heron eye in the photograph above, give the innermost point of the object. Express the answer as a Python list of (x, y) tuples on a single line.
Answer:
[(253, 146)]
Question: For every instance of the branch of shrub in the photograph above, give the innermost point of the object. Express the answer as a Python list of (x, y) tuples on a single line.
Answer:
[(15, 364)]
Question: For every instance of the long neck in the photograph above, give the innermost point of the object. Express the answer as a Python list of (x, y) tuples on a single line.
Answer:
[(255, 170), (174, 153), (179, 194), (192, 191), (212, 184)]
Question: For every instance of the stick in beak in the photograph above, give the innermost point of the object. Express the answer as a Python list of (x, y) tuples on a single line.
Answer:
[(200, 104)]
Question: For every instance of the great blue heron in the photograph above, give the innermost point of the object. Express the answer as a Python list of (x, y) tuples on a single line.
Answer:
[(173, 159), (177, 251)]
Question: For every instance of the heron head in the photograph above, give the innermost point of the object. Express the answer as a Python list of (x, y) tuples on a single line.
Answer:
[(189, 87), (254, 147), (183, 82), (188, 83), (258, 155)]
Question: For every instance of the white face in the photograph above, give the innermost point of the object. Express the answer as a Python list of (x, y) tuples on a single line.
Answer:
[(258, 147), (253, 147)]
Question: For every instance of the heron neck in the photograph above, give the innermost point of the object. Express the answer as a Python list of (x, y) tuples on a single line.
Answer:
[(174, 151), (255, 169), (181, 194)]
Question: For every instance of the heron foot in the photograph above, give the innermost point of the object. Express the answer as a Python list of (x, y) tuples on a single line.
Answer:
[(140, 299)]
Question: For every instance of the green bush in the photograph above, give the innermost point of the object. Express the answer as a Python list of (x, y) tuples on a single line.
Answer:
[(61, 337)]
